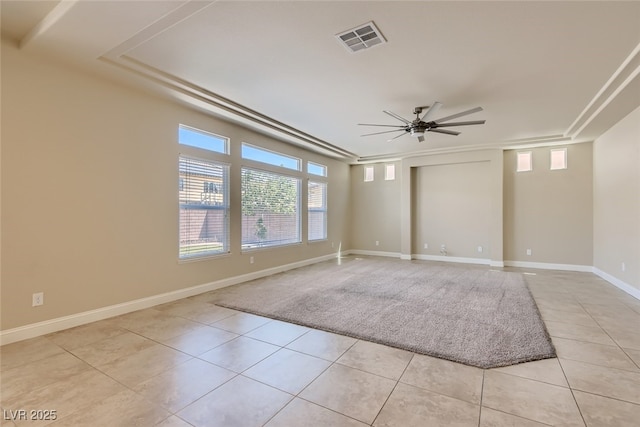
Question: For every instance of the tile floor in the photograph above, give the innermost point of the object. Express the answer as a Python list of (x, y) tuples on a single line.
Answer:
[(190, 363)]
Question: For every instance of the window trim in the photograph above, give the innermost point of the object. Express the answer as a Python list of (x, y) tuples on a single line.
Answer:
[(226, 140), (530, 161), (226, 208), (564, 160), (266, 150), (299, 206), (324, 209)]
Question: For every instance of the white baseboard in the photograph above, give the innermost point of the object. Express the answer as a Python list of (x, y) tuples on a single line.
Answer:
[(549, 266), (634, 292), (374, 253), (444, 258), (48, 326)]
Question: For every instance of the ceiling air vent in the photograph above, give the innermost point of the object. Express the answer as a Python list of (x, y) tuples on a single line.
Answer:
[(361, 38)]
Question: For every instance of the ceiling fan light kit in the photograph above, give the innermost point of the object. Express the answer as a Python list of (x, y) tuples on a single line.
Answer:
[(420, 125)]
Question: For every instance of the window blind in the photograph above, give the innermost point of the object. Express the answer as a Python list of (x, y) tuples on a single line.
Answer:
[(270, 209), (204, 207), (317, 210)]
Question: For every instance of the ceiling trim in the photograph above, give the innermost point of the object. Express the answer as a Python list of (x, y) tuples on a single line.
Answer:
[(49, 21), (619, 80)]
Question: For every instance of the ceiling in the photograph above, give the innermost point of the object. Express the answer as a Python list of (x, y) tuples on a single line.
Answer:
[(544, 72)]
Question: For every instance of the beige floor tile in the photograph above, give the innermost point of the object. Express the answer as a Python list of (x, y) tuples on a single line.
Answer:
[(138, 318), (546, 371), (287, 370), (584, 318), (85, 334), (349, 391), (578, 332), (410, 406), (165, 327), (135, 368), (537, 401), (597, 354), (23, 352), (241, 323), (122, 409), (25, 378), (180, 386), (609, 382), (634, 355), (377, 359), (197, 311), (626, 339), (200, 341), (549, 303), (174, 421), (445, 377), (241, 402), (602, 411), (67, 396), (325, 345), (278, 333), (110, 349), (300, 413), (493, 418), (239, 354)]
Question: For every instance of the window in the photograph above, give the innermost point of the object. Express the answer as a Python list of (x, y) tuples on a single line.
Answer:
[(558, 158), (524, 163), (368, 173), (270, 209), (317, 210), (269, 157), (201, 139), (204, 208), (389, 172), (316, 169)]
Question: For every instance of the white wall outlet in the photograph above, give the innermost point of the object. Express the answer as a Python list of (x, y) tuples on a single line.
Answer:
[(250, 260), (37, 299), (623, 267), (377, 243), (528, 251), (426, 246), (479, 248)]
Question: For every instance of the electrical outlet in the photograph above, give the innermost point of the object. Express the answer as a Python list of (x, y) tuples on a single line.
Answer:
[(528, 251), (377, 243), (479, 248), (37, 299), (251, 260), (623, 267), (426, 246)]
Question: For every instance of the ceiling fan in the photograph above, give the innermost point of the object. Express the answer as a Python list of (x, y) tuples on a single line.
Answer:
[(420, 125)]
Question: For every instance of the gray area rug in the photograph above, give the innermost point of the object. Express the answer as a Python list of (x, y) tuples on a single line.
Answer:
[(467, 314)]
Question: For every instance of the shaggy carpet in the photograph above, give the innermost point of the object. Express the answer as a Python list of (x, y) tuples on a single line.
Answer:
[(467, 314)]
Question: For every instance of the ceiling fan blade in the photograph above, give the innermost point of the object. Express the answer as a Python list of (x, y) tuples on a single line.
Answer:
[(455, 116), (421, 138), (431, 111), (389, 126), (395, 116), (402, 134), (386, 131), (472, 122), (448, 132)]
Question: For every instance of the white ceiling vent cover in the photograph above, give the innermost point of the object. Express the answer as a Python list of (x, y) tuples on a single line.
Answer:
[(361, 38)]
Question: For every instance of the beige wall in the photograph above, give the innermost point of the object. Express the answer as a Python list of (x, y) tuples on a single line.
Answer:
[(375, 210), (89, 194), (616, 201), (452, 207), (549, 211)]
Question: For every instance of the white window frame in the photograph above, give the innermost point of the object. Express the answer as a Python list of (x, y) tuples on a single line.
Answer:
[(524, 161), (389, 172), (322, 209), (369, 173), (208, 202), (563, 165)]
